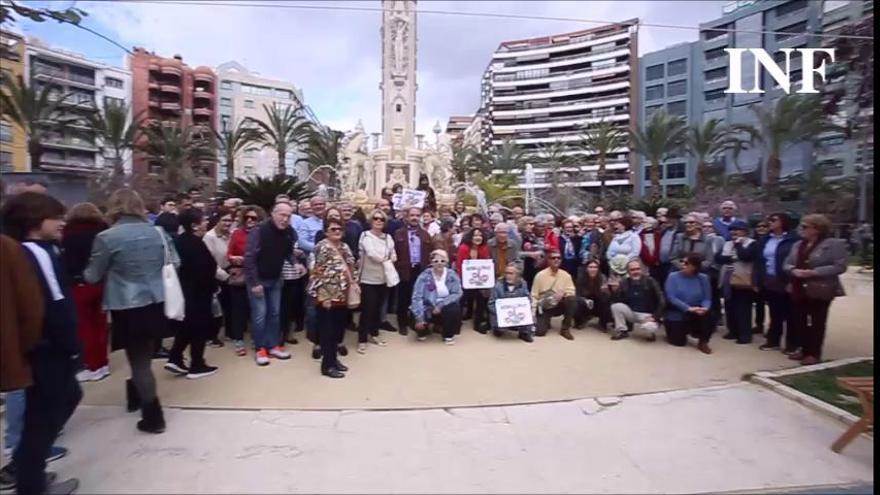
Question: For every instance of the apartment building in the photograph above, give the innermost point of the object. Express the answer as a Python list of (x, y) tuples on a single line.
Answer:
[(242, 95), (542, 91), (13, 144), (457, 125), (79, 85), (166, 91)]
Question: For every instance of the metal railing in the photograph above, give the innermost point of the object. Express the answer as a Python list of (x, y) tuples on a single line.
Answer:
[(570, 85), (552, 59), (567, 103), (576, 72)]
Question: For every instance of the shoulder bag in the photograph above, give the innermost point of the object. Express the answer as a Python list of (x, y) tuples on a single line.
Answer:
[(392, 278), (174, 301)]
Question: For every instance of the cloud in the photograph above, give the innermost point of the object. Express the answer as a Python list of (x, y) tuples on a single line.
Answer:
[(335, 57)]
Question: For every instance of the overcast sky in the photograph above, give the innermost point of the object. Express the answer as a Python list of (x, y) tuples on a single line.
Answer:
[(335, 56)]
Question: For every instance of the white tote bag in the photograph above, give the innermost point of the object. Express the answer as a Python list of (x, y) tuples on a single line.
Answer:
[(392, 278), (174, 302)]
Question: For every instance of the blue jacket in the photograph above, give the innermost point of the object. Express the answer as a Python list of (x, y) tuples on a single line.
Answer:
[(682, 292), (59, 321), (721, 228), (424, 297), (500, 292), (129, 257)]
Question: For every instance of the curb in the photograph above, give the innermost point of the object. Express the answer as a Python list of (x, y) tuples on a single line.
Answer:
[(766, 379)]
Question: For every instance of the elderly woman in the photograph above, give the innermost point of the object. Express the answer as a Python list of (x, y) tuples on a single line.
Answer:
[(239, 305), (511, 284), (689, 300), (531, 249), (435, 299), (377, 257), (814, 264), (736, 281)]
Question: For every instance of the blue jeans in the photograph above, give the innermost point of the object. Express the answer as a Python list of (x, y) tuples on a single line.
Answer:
[(266, 314), (14, 418)]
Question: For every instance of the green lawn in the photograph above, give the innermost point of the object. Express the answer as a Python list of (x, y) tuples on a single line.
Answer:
[(823, 385)]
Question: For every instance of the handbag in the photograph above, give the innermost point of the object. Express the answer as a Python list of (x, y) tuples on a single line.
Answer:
[(547, 299), (392, 278), (822, 288), (236, 275), (353, 294), (175, 305), (741, 279)]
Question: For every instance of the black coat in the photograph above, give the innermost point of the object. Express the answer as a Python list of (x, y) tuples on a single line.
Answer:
[(197, 274), (77, 246)]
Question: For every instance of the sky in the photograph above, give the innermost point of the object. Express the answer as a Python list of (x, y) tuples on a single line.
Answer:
[(335, 56)]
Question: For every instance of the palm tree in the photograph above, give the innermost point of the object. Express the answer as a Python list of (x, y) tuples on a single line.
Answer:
[(508, 159), (793, 119), (463, 159), (709, 141), (601, 139), (323, 145), (661, 137), (115, 134), (554, 157), (36, 111), (177, 150), (233, 141), (283, 129), (262, 191)]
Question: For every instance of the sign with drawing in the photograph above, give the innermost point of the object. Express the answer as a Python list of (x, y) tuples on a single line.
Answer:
[(514, 312), (409, 198), (478, 274)]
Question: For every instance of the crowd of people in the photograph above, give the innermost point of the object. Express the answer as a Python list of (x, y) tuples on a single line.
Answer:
[(306, 268)]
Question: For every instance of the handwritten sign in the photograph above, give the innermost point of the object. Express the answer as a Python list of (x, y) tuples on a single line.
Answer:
[(478, 274), (409, 198), (514, 312)]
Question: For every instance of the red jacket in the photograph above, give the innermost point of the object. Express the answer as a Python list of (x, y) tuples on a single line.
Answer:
[(650, 258), (237, 243), (464, 253)]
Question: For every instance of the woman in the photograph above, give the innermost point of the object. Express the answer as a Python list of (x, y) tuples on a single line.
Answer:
[(570, 247), (762, 229), (625, 243), (510, 285), (239, 307), (435, 301), (814, 264), (532, 249), (736, 282), (689, 300), (474, 247), (197, 274), (332, 277), (594, 298), (463, 226), (129, 257), (84, 222), (217, 241), (377, 255)]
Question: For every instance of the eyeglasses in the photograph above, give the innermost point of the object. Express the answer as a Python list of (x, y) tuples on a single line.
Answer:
[(334, 229), (251, 217), (556, 257), (378, 219)]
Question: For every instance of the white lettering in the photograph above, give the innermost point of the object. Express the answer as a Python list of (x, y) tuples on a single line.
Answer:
[(734, 72), (808, 54), (782, 77)]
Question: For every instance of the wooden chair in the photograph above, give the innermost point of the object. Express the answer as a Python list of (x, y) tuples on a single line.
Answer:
[(864, 390)]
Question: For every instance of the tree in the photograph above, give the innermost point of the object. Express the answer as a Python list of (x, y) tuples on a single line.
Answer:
[(793, 119), (10, 8), (323, 145), (35, 111), (555, 159), (177, 150), (602, 139), (115, 136), (262, 191), (507, 160), (233, 141), (662, 136), (282, 130), (711, 140), (463, 160)]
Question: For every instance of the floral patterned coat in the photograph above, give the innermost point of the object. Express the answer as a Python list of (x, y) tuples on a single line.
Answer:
[(329, 280)]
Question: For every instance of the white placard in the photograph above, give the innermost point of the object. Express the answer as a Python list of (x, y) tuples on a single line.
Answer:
[(409, 198), (478, 274), (514, 312)]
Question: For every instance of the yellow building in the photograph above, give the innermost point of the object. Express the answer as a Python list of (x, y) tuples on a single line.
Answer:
[(13, 146)]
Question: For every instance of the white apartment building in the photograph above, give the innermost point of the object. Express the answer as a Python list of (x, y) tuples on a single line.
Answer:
[(89, 86), (242, 95), (542, 91)]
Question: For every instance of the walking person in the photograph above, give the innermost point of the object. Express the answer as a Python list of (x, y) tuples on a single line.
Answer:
[(377, 257), (129, 257), (217, 240), (737, 282), (84, 223), (689, 299), (36, 220), (511, 284), (435, 299), (332, 284), (268, 246), (474, 301), (239, 302), (413, 247), (198, 282), (814, 264)]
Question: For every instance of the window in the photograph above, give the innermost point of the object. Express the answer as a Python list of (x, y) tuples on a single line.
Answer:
[(676, 170), (711, 34), (715, 94), (226, 85), (790, 7), (715, 54), (5, 132), (676, 67), (716, 74), (677, 108), (676, 88), (791, 31), (650, 110), (399, 107), (654, 92), (112, 82), (249, 103), (5, 161), (110, 101), (227, 102), (654, 72), (256, 90), (283, 93)]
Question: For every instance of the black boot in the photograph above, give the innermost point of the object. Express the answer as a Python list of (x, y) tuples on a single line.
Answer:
[(132, 398), (153, 420)]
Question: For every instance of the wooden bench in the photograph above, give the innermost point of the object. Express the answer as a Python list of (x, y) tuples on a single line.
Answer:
[(864, 390)]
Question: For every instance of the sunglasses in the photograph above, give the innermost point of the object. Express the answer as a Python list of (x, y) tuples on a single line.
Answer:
[(334, 229), (378, 219), (251, 217)]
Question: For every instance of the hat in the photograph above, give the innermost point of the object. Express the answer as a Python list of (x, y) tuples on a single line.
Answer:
[(738, 225)]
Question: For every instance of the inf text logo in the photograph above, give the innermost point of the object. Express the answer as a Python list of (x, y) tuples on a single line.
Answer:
[(761, 58)]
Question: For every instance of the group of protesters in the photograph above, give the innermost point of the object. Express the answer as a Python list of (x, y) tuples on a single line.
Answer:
[(313, 269)]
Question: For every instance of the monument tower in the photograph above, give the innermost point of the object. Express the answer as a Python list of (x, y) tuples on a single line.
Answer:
[(399, 73)]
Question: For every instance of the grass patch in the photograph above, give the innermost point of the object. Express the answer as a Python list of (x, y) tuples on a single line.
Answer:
[(822, 384)]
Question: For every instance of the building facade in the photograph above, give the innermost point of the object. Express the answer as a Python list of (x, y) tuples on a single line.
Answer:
[(243, 95), (78, 85), (13, 145), (165, 91), (546, 91), (457, 125)]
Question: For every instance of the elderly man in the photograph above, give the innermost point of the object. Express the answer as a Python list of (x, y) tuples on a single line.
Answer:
[(553, 294), (638, 300), (309, 226), (413, 247), (504, 250), (722, 223)]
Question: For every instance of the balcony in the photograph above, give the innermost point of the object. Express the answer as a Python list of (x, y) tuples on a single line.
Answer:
[(203, 77), (170, 106), (716, 42), (169, 88), (552, 61), (153, 103), (202, 95), (576, 88), (172, 70), (548, 78), (153, 85), (69, 143), (203, 112), (154, 67), (43, 72), (562, 106)]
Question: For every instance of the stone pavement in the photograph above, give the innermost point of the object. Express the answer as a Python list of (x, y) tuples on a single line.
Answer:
[(727, 438)]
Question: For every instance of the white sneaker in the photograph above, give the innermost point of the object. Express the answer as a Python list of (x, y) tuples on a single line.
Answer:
[(449, 341), (422, 338), (378, 341), (85, 376), (362, 348), (279, 353), (101, 373)]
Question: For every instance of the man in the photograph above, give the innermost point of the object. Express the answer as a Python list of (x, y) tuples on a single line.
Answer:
[(495, 219), (638, 220), (167, 218), (413, 246), (353, 228), (184, 202), (553, 294), (669, 229), (268, 247), (194, 193), (308, 228), (232, 203), (638, 300), (722, 223), (600, 211), (503, 250)]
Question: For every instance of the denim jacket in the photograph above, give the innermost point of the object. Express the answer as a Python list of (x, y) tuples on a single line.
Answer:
[(129, 257), (425, 293)]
